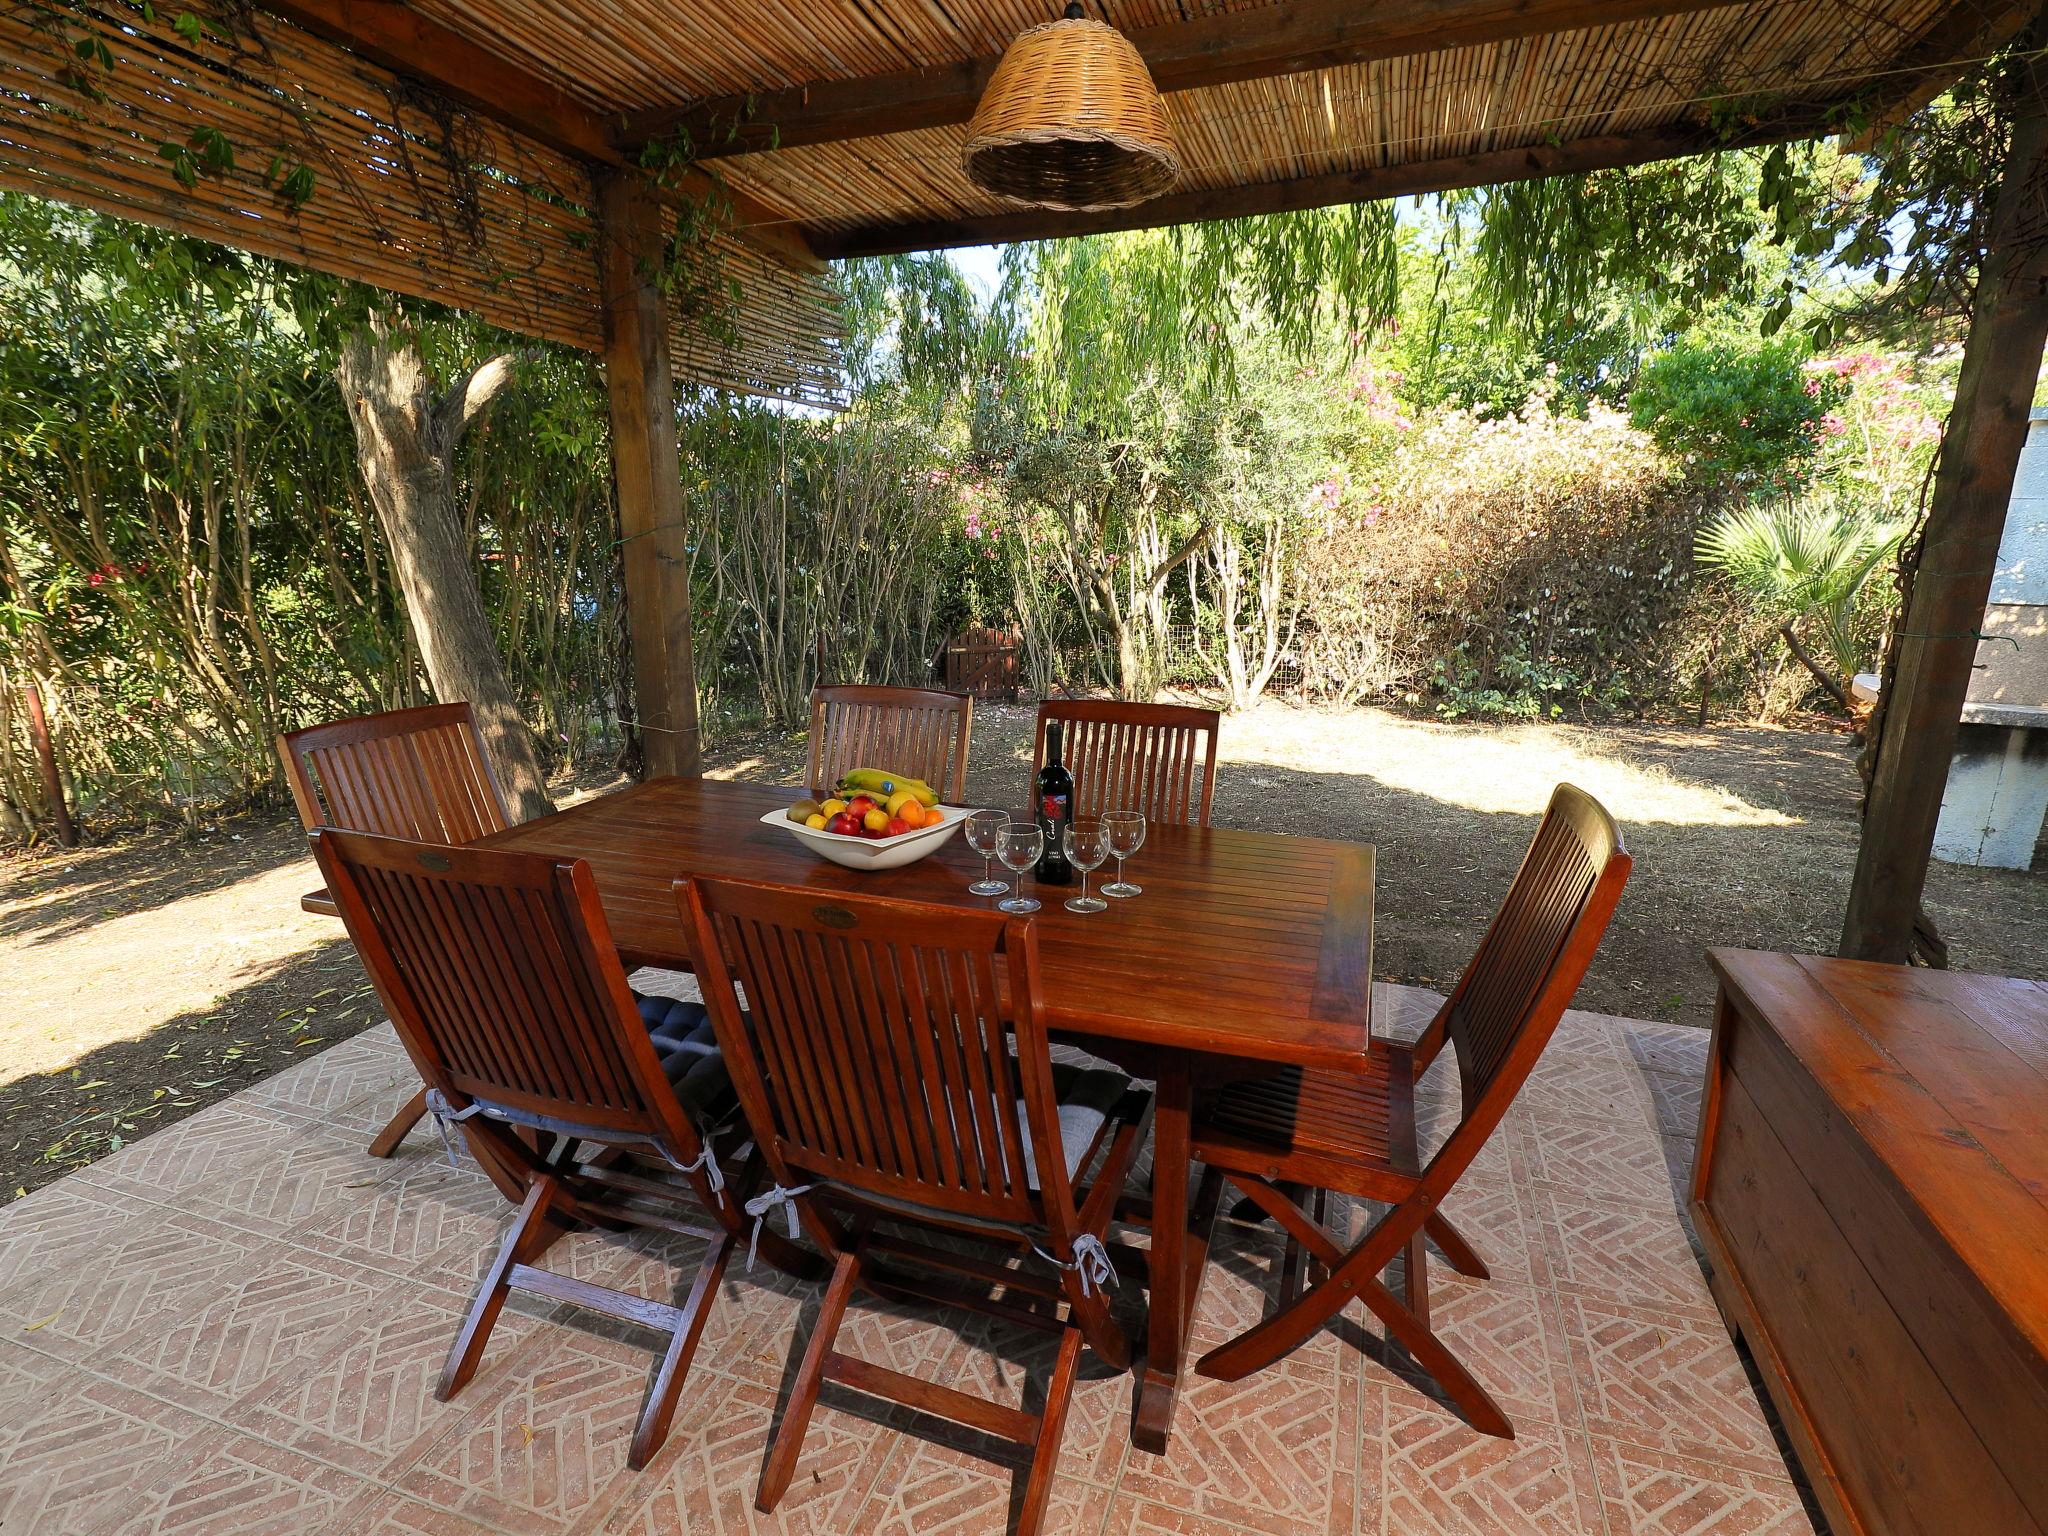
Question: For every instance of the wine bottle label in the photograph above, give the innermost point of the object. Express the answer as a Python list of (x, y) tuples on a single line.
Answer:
[(1053, 868)]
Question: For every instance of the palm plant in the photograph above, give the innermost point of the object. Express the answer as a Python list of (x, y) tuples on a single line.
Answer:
[(1804, 563)]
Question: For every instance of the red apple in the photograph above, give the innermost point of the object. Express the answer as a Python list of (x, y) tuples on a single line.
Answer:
[(897, 825), (846, 824)]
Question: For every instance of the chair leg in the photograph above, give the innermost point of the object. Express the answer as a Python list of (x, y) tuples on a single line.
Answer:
[(1431, 1353), (1052, 1425), (1092, 1315), (401, 1125), (1415, 1278), (533, 1232), (810, 1376), (660, 1409), (1456, 1251)]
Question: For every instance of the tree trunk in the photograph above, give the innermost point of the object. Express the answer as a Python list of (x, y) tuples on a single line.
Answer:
[(405, 446), (1921, 704)]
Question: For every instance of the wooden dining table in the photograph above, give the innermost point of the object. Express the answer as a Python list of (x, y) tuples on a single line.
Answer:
[(1245, 948)]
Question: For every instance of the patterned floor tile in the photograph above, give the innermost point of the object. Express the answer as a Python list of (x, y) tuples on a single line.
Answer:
[(1618, 1160), (932, 1489), (300, 1296), (153, 1266), (260, 1169), (430, 1220), (705, 1478), (1593, 1036), (1649, 1380), (1676, 1102), (25, 1374), (1445, 1479), (80, 1451), (1679, 1049), (58, 1221), (1493, 1220), (1262, 1453), (366, 1401), (245, 1328), (1130, 1515), (1647, 1493), (380, 1512), (1510, 1336), (1567, 1085), (329, 1082), (225, 1484), (542, 1445), (1636, 1256)]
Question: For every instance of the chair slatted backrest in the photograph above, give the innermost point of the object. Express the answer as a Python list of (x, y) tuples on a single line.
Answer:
[(1537, 949), (1156, 758), (415, 773), (500, 975), (919, 731), (876, 1046)]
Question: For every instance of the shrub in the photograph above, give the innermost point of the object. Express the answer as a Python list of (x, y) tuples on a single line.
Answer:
[(1507, 565), (1746, 419)]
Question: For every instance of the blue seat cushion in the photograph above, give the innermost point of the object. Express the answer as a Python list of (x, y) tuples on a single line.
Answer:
[(688, 1047)]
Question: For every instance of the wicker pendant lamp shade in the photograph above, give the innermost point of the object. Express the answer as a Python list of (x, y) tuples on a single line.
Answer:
[(1072, 120)]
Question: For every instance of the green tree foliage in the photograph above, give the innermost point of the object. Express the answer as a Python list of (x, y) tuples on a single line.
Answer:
[(189, 561), (1744, 417)]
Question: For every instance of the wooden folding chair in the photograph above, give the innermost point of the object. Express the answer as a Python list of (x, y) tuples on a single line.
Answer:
[(1354, 1131), (1135, 757), (416, 773), (894, 1082), (499, 973), (919, 731)]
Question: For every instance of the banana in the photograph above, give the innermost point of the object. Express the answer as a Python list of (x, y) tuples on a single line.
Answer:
[(880, 783)]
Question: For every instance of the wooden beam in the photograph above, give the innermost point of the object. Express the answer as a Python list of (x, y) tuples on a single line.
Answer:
[(393, 34), (1183, 56), (1605, 152), (1922, 704), (647, 469)]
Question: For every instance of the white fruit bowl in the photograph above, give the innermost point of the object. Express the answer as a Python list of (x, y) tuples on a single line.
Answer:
[(872, 853)]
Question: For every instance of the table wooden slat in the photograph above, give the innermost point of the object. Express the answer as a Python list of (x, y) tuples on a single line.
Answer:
[(1244, 943)]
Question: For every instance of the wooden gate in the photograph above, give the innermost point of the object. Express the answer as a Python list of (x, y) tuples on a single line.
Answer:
[(983, 662)]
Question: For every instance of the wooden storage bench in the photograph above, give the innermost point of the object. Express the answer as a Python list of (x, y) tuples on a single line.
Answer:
[(1872, 1193)]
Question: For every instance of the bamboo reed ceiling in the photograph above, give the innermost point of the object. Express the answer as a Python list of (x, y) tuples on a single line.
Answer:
[(1659, 70), (409, 192), (835, 127)]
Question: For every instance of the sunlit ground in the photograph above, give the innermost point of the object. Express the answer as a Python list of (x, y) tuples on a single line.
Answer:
[(1477, 767), (132, 971)]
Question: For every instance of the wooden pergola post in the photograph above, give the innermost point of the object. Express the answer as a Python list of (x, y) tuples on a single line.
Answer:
[(647, 470), (1972, 489)]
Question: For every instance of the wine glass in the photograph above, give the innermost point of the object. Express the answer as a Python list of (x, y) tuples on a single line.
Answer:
[(984, 828), (1087, 844), (1018, 846), (1125, 833)]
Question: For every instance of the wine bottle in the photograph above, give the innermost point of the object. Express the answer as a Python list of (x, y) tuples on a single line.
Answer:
[(1054, 793)]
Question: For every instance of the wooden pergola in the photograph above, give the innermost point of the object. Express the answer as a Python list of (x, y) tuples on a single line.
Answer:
[(528, 161)]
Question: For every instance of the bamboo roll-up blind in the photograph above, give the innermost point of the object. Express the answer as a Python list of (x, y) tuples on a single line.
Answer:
[(410, 193)]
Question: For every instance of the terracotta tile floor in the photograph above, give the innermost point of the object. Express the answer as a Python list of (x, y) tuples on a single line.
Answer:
[(234, 1326)]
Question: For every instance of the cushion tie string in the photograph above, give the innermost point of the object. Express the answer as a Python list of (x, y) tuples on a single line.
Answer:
[(706, 1163), (763, 1203), (1090, 1262), (445, 1115)]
